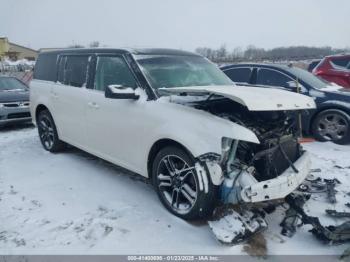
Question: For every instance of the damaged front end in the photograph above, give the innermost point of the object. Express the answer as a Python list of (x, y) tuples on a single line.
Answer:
[(252, 176)]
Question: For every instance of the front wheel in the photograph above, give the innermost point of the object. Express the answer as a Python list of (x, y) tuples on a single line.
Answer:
[(48, 132), (178, 185), (332, 125)]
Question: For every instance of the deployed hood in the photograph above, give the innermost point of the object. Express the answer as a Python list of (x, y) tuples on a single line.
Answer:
[(254, 98)]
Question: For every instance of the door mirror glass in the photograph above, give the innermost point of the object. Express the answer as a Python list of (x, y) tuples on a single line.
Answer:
[(120, 92)]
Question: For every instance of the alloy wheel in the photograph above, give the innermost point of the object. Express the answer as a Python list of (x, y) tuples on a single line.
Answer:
[(333, 126), (46, 131), (177, 184)]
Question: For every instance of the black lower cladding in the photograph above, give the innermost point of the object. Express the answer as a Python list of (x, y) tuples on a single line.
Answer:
[(18, 115)]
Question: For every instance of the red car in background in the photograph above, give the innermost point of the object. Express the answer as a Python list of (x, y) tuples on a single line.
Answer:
[(335, 68)]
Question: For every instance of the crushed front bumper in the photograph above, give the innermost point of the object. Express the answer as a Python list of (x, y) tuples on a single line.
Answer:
[(280, 186)]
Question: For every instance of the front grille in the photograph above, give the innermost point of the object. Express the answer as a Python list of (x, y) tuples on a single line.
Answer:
[(18, 115), (16, 104), (274, 162)]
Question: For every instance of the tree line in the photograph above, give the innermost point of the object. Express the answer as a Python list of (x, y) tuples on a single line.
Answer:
[(253, 53), (256, 54)]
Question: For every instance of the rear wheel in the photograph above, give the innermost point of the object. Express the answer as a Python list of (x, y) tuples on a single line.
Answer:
[(178, 185), (332, 125), (48, 132)]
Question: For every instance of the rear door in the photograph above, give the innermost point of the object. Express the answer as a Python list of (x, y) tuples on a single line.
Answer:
[(69, 95), (274, 78)]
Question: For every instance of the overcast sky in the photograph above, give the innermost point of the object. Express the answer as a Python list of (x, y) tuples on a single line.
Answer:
[(184, 24)]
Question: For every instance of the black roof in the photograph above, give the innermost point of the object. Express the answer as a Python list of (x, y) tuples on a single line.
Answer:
[(266, 65), (136, 51)]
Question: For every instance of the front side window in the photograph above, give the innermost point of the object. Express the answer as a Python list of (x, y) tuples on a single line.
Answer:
[(239, 75), (113, 70), (164, 71), (72, 70), (269, 77)]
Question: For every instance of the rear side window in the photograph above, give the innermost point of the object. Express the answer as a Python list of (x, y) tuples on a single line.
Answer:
[(239, 75), (342, 62), (72, 70), (45, 67), (272, 78)]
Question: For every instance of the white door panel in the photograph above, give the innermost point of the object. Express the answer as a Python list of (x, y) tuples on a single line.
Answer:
[(69, 112), (115, 128)]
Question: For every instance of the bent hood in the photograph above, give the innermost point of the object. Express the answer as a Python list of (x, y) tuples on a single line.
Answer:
[(254, 98)]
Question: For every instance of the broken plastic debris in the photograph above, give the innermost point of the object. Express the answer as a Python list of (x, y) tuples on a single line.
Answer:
[(232, 228)]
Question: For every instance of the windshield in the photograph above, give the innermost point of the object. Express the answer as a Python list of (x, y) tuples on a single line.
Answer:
[(180, 71), (10, 84), (309, 78)]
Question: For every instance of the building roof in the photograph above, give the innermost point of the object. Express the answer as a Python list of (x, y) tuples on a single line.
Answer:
[(10, 43)]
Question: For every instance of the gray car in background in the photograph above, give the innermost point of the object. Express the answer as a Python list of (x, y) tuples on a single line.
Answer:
[(14, 101)]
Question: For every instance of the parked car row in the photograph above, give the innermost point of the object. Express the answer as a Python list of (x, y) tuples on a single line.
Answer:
[(334, 69), (176, 118), (330, 121)]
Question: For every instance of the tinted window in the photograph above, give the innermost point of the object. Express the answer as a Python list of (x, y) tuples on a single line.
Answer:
[(61, 69), (343, 62), (73, 70), (113, 71), (45, 67), (272, 78), (312, 65), (239, 75)]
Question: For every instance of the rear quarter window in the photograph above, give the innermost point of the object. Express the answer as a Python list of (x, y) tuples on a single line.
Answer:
[(45, 67)]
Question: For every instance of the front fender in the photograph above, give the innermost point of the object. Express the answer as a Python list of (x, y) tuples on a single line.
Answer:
[(200, 140), (198, 131)]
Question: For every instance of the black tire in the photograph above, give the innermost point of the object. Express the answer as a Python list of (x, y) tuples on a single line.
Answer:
[(332, 125), (48, 132), (182, 183)]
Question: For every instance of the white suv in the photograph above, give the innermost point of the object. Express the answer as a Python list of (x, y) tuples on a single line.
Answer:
[(174, 117)]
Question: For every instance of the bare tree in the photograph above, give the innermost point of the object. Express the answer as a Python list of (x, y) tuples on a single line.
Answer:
[(94, 44)]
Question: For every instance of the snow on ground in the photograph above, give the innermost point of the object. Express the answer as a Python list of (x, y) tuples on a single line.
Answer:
[(74, 203)]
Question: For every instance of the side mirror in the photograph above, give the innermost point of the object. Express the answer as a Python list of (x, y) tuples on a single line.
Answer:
[(120, 92), (294, 87)]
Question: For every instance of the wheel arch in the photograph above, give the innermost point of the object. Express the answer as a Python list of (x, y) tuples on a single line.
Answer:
[(324, 108), (40, 108), (157, 146)]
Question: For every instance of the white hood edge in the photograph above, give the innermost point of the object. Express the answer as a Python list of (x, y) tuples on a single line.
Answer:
[(254, 98)]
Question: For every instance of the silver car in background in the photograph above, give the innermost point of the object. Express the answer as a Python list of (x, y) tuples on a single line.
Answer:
[(14, 101)]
